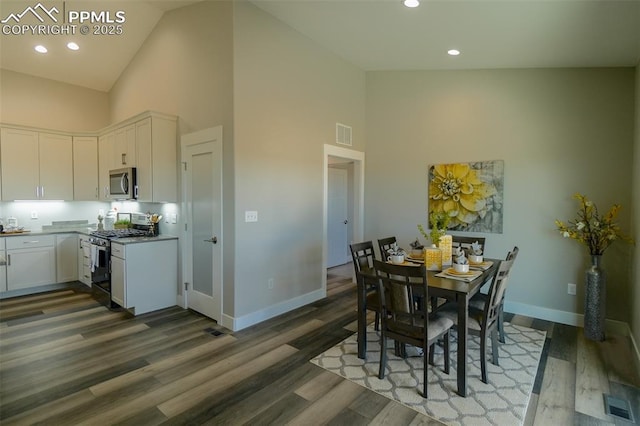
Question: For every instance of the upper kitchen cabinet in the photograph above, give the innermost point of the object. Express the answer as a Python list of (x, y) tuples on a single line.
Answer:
[(156, 159), (36, 165), (105, 163), (124, 147), (85, 168)]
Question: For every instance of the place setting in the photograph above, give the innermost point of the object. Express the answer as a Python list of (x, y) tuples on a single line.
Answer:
[(461, 268)]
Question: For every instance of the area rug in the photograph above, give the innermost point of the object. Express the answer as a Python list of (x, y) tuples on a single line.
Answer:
[(503, 401)]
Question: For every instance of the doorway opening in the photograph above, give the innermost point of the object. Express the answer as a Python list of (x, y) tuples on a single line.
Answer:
[(343, 207)]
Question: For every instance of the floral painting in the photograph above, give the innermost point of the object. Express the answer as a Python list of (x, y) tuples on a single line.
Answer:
[(470, 194)]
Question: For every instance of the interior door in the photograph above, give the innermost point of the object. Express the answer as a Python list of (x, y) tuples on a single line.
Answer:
[(337, 220), (202, 203)]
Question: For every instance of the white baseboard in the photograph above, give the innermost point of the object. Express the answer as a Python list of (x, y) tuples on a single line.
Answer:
[(248, 320), (562, 317)]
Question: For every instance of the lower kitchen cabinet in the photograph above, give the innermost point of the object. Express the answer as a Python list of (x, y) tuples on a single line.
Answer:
[(31, 261), (144, 275), (66, 257), (84, 260), (3, 267)]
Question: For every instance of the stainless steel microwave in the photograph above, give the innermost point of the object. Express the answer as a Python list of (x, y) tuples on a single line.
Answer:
[(122, 184)]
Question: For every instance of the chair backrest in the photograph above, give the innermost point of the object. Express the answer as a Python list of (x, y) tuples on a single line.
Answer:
[(465, 242), (403, 295), (513, 253), (497, 291), (363, 256), (385, 244)]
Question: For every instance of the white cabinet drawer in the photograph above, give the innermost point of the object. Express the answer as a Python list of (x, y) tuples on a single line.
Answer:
[(30, 241), (118, 250)]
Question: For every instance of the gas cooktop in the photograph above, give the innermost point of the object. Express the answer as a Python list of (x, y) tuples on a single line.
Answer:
[(119, 233)]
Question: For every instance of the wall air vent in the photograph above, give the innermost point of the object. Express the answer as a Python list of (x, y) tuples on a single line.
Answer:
[(618, 407), (343, 134)]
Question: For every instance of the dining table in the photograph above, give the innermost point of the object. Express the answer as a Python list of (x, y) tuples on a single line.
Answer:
[(439, 286)]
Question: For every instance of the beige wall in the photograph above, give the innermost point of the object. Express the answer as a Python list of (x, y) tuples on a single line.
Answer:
[(38, 102), (289, 93), (558, 132), (635, 186), (185, 68)]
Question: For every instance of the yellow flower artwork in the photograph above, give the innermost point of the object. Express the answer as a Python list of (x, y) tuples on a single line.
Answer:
[(469, 193)]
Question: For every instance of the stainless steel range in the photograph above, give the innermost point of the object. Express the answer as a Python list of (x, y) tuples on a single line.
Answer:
[(100, 257)]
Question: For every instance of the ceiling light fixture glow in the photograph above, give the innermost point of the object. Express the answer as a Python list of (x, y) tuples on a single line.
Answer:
[(453, 52), (73, 46), (40, 49), (411, 3)]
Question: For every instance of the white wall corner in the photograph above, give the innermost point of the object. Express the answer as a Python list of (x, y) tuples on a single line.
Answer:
[(239, 323)]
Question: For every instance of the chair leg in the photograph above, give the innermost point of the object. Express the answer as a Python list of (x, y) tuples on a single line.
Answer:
[(427, 352), (483, 356), (447, 363), (377, 322), (383, 356), (431, 353), (494, 346), (501, 323)]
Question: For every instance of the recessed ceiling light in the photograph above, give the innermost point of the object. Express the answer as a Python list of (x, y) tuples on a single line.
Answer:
[(73, 46), (411, 3), (40, 49), (453, 52)]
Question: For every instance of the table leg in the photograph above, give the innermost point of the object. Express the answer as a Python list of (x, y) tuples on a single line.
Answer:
[(463, 315), (362, 319)]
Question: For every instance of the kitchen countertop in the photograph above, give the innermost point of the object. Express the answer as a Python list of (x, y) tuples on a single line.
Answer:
[(88, 231)]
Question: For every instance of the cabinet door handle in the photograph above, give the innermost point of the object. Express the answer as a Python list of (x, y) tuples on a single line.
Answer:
[(42, 191), (37, 192), (8, 260), (124, 159), (31, 242)]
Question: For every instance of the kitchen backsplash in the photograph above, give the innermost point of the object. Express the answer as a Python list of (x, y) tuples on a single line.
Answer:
[(33, 215)]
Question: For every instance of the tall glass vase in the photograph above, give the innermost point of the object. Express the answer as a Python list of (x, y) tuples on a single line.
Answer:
[(595, 301)]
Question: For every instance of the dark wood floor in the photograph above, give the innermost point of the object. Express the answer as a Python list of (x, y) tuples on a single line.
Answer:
[(65, 359)]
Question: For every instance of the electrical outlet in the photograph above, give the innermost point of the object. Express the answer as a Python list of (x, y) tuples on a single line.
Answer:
[(34, 214), (250, 216), (571, 289), (270, 283)]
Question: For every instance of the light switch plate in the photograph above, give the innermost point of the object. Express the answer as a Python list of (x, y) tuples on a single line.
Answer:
[(174, 218), (250, 216)]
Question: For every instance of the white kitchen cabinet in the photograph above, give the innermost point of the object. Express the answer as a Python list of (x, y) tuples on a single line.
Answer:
[(157, 159), (144, 275), (66, 257), (31, 261), (124, 147), (105, 163), (20, 164), (85, 168), (36, 165), (56, 166), (84, 260), (3, 266)]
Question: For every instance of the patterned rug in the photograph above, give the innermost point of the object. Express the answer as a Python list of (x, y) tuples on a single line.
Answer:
[(503, 401)]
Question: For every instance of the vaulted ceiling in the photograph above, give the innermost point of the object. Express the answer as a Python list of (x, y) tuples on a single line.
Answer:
[(371, 34)]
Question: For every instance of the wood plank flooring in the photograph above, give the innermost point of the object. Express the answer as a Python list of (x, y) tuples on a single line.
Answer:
[(66, 360)]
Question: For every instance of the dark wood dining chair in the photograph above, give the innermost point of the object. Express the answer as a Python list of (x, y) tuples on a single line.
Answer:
[(484, 323), (404, 317), (465, 242), (385, 244), (363, 256), (480, 299)]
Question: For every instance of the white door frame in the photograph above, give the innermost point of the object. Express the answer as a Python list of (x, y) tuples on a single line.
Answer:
[(358, 199), (187, 261)]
